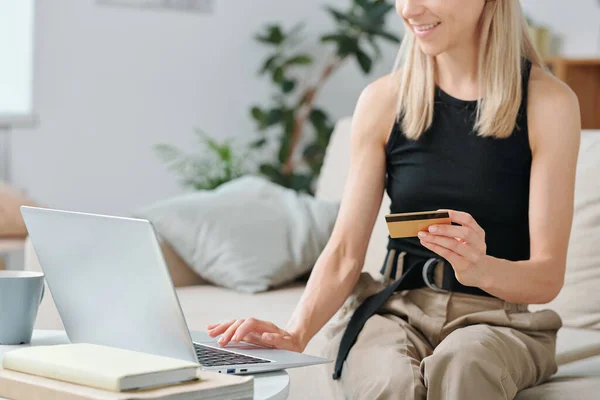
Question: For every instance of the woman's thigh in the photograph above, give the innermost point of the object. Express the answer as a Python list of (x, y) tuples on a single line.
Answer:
[(487, 359), (384, 363)]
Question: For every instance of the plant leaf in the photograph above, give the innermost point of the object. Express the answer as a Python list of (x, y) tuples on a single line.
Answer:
[(166, 152), (386, 35), (333, 37), (271, 172), (364, 4), (268, 64), (278, 75), (288, 85), (348, 45), (257, 144), (285, 141), (312, 151), (378, 11), (301, 183), (258, 114), (301, 59), (273, 117), (364, 61), (318, 118), (274, 35), (349, 18)]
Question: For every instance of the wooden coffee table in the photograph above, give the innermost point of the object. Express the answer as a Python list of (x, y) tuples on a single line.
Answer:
[(267, 386)]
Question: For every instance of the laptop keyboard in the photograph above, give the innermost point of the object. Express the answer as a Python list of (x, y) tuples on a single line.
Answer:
[(211, 357)]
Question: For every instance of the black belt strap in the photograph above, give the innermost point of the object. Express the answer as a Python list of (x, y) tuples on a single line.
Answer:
[(411, 279)]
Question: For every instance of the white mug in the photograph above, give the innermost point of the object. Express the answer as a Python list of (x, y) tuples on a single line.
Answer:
[(21, 293)]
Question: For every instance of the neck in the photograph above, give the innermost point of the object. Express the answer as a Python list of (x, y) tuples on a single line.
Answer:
[(457, 71)]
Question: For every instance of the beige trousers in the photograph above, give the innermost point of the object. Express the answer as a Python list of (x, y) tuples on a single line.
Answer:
[(454, 346)]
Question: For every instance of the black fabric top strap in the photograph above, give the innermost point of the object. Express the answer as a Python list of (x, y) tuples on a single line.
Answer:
[(410, 279)]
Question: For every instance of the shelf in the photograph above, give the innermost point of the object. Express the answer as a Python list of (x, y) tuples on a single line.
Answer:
[(583, 77)]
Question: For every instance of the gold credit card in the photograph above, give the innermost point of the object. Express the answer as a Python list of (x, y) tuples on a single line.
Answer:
[(409, 224)]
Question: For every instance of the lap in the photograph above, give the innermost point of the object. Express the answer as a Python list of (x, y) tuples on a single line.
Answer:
[(526, 357), (383, 363)]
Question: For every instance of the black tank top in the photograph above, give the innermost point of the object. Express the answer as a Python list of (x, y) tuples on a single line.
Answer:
[(451, 167)]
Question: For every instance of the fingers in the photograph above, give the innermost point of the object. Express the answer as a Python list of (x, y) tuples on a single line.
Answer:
[(256, 326), (217, 329), (463, 233), (450, 243), (452, 257), (467, 220), (255, 338), (251, 330), (226, 338)]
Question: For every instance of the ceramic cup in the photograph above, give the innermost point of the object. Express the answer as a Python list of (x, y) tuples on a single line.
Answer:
[(20, 295)]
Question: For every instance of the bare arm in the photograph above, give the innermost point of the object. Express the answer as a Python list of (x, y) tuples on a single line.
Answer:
[(554, 132), (338, 268)]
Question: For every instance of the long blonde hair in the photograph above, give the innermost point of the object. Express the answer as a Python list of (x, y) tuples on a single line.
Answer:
[(504, 43)]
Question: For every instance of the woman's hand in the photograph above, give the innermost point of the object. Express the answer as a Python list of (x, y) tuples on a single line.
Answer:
[(463, 246), (255, 331)]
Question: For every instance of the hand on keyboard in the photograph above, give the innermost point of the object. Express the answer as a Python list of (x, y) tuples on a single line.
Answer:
[(255, 331)]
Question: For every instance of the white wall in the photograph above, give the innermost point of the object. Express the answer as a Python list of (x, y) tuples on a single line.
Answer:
[(111, 82), (575, 23)]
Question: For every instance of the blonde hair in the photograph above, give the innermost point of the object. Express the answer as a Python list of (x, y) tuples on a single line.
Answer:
[(504, 43)]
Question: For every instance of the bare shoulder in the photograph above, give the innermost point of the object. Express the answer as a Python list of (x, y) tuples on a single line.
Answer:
[(375, 110), (545, 88), (552, 108)]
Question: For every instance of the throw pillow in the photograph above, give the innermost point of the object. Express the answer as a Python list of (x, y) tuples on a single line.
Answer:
[(249, 234), (578, 303)]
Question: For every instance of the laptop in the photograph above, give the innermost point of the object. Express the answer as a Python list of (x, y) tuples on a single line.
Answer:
[(112, 287)]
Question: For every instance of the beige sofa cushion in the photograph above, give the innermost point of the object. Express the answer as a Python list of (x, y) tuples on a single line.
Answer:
[(330, 186), (579, 301)]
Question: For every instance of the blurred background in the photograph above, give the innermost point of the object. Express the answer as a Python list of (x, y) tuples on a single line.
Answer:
[(124, 103)]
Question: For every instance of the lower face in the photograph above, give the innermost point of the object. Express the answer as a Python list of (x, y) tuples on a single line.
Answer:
[(441, 25)]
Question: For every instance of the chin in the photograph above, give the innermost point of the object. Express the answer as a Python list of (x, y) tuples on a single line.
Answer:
[(430, 49)]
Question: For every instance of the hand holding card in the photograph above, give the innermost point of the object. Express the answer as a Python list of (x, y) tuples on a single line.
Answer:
[(409, 224)]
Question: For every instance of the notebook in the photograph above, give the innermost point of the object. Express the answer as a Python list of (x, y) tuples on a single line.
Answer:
[(210, 386), (101, 367)]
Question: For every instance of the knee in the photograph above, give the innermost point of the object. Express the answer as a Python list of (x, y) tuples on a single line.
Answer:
[(461, 372), (458, 362)]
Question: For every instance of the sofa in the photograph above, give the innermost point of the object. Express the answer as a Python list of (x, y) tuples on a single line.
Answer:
[(578, 347)]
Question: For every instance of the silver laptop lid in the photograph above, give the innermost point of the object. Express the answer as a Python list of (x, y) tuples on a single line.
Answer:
[(109, 281)]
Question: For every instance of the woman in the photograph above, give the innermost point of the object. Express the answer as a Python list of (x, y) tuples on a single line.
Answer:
[(469, 122)]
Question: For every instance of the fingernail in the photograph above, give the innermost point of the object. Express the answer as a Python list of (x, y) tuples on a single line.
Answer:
[(221, 341), (235, 338), (433, 228), (422, 234), (268, 337)]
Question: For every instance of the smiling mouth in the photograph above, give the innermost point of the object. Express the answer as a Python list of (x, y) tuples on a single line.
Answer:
[(425, 28)]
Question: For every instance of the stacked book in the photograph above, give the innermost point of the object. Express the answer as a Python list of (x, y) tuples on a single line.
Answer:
[(86, 372)]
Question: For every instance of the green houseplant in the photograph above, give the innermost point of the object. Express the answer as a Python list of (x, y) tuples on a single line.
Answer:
[(291, 122)]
